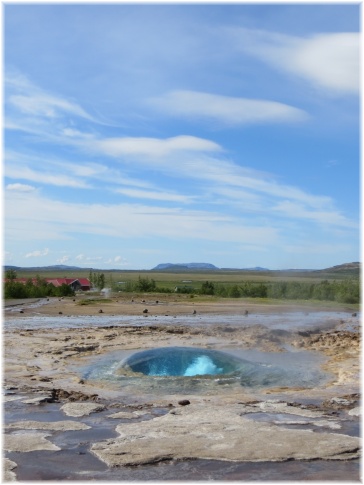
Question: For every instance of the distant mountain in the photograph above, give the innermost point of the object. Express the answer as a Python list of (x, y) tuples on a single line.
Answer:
[(183, 266), (257, 268), (352, 268), (56, 267)]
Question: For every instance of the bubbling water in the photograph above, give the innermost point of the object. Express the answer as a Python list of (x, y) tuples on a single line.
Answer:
[(201, 366)]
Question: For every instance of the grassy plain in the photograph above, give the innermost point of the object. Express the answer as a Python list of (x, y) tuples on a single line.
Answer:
[(169, 279)]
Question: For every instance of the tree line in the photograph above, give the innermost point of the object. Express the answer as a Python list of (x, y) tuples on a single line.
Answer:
[(37, 289)]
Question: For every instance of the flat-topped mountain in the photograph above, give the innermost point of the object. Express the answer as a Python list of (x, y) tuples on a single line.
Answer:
[(180, 266)]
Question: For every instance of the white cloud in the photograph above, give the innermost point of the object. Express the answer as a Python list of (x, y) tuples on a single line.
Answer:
[(63, 260), (329, 61), (143, 194), (323, 217), (227, 175), (20, 187), (31, 100), (72, 133), (33, 215), (37, 254), (47, 106), (20, 171), (225, 109), (121, 261), (152, 147), (66, 173)]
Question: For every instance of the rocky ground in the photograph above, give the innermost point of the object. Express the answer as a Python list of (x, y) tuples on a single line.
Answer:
[(48, 399)]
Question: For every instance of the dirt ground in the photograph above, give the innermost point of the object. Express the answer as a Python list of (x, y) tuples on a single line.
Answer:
[(44, 367), (34, 357), (163, 304)]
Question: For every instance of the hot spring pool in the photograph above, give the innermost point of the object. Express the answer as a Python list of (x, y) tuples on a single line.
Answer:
[(181, 361), (192, 369)]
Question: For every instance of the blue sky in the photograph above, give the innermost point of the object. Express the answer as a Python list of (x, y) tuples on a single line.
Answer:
[(138, 134)]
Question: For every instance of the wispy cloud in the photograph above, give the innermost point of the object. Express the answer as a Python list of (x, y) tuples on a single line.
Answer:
[(329, 61), (63, 260), (322, 217), (36, 212), (165, 196), (22, 172), (63, 173), (152, 147), (38, 253), (226, 110), (31, 100), (20, 187)]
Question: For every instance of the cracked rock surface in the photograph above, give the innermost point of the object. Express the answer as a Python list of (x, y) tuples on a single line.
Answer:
[(218, 433), (25, 442)]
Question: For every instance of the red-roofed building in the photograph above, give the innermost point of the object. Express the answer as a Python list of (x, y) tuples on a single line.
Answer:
[(75, 283)]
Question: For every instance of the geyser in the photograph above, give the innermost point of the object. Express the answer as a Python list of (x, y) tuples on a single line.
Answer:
[(181, 361), (194, 370)]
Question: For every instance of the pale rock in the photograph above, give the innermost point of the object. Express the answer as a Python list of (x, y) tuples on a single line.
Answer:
[(8, 467), (218, 433), (78, 409), (53, 425), (25, 442)]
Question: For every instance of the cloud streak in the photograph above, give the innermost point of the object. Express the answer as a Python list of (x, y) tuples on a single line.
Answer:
[(152, 147), (328, 61), (34, 212), (226, 110), (30, 100)]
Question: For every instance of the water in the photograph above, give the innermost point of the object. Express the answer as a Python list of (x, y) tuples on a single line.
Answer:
[(197, 370), (181, 361), (201, 366), (286, 321)]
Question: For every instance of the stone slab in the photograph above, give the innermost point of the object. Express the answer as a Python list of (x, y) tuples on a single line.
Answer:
[(218, 433), (53, 425), (78, 409), (25, 442), (8, 467)]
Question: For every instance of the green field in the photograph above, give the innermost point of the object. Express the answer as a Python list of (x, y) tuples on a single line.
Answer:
[(174, 277), (341, 283)]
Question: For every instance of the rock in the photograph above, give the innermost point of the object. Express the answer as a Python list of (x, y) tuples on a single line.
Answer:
[(219, 433), (11, 398), (25, 442), (123, 415), (355, 411), (145, 311), (54, 425), (38, 400), (273, 406), (8, 474), (78, 409), (184, 402)]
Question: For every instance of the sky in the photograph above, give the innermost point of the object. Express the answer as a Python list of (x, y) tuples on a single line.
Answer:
[(138, 134)]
